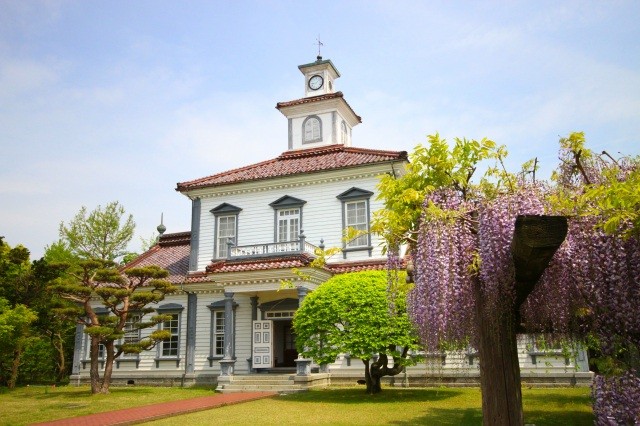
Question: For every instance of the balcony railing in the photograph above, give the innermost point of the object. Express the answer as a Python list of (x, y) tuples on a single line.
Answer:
[(271, 249)]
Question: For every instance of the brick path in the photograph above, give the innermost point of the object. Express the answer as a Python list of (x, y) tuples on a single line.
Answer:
[(134, 415)]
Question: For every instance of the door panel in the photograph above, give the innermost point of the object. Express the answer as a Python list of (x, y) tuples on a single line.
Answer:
[(262, 344)]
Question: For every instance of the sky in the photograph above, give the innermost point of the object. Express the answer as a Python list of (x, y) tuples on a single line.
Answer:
[(105, 101)]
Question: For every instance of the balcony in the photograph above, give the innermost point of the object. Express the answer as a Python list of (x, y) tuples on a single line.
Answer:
[(272, 249)]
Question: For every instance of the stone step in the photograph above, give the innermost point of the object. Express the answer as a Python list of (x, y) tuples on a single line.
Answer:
[(230, 388)]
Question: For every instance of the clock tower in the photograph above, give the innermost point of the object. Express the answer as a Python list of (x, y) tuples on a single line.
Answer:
[(322, 117)]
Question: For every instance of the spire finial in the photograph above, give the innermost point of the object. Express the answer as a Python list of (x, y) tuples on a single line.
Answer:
[(161, 228), (320, 44)]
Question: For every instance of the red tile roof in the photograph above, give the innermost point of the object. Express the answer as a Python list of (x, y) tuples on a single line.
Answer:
[(319, 98), (259, 264), (171, 252), (298, 162), (356, 266)]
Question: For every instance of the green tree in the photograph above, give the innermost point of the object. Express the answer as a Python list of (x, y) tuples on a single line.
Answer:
[(126, 296), (350, 314), (95, 240), (435, 165), (15, 328), (101, 234), (24, 283)]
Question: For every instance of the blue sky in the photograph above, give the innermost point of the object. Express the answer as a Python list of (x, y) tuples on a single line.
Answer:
[(120, 100)]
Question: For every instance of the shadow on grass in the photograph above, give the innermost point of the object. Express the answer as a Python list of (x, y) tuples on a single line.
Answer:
[(557, 398), (47, 392), (359, 396), (473, 416)]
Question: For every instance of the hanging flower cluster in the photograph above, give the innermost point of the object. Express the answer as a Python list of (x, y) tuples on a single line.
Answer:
[(616, 400), (456, 246), (441, 304), (496, 227)]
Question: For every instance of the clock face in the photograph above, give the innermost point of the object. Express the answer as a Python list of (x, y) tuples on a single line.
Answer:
[(315, 82)]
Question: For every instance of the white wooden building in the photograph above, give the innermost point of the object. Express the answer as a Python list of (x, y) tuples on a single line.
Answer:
[(252, 225)]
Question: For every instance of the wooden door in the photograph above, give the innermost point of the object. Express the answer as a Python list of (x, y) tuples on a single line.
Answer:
[(262, 344)]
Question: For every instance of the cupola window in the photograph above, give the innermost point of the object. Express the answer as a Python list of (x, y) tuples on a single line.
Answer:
[(312, 129)]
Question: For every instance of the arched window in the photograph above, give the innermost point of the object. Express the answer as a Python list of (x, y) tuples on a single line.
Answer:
[(343, 133), (312, 129)]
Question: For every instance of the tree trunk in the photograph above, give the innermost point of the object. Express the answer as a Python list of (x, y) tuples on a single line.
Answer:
[(499, 367), (373, 383), (535, 241), (61, 361), (15, 364), (380, 368), (94, 374), (108, 367)]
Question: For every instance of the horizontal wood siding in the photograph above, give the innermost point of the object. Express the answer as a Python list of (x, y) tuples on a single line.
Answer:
[(321, 216)]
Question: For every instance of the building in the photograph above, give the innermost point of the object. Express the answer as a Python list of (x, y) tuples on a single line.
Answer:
[(252, 225)]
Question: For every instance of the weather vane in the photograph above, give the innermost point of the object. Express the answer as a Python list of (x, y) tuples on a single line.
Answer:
[(320, 44)]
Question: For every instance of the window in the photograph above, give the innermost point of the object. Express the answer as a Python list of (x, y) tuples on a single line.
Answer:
[(218, 333), (131, 333), (288, 218), (355, 215), (356, 218), (343, 133), (288, 225), (312, 129), (218, 327), (170, 347), (226, 228)]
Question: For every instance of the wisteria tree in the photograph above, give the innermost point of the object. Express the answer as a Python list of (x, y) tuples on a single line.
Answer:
[(469, 288)]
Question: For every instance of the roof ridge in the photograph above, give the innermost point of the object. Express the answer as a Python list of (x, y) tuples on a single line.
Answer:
[(309, 99), (327, 157)]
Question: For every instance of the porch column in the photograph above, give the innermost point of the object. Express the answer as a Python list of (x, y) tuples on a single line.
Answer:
[(77, 350), (254, 308), (192, 303), (303, 365), (254, 317), (228, 361)]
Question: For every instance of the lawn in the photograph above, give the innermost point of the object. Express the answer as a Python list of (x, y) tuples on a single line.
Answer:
[(336, 406), (34, 404), (434, 406)]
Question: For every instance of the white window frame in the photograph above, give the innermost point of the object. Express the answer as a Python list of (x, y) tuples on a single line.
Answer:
[(224, 212), (222, 241), (356, 197), (288, 225), (361, 208), (175, 310), (131, 335), (312, 129), (167, 345), (217, 333), (343, 133)]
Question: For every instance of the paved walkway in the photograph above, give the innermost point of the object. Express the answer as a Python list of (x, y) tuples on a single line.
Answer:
[(157, 411)]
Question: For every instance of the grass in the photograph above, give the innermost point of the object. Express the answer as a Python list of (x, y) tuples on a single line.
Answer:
[(336, 406), (434, 406), (34, 404)]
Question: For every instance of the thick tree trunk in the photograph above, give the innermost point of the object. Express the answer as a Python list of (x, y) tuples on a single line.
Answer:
[(94, 374), (15, 365), (108, 368), (535, 240), (499, 367), (375, 371)]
